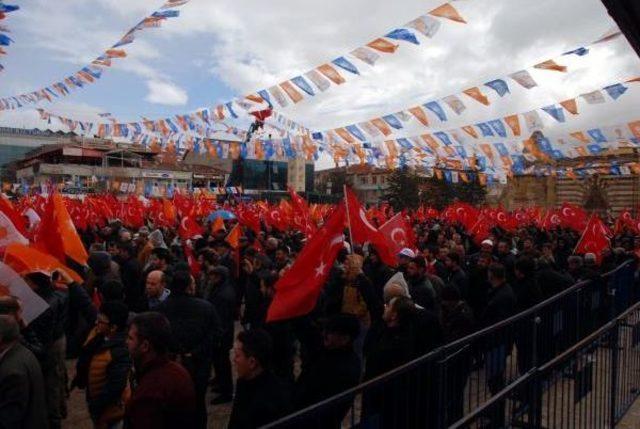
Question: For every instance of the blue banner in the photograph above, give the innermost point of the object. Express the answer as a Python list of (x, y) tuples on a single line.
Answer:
[(499, 86), (437, 109)]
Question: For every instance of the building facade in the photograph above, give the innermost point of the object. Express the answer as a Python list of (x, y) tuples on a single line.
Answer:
[(369, 183), (600, 192)]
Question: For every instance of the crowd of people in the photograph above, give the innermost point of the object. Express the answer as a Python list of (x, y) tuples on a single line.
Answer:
[(151, 334)]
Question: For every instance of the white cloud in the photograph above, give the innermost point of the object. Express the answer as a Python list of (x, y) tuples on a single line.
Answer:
[(162, 92)]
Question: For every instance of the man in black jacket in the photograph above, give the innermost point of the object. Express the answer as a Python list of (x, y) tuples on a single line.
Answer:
[(261, 397), (457, 277), (333, 370), (22, 401), (221, 293), (49, 328), (501, 305), (195, 326), (131, 276), (420, 288), (396, 346)]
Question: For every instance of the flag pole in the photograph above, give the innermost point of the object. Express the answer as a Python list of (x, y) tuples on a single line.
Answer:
[(346, 203), (583, 233)]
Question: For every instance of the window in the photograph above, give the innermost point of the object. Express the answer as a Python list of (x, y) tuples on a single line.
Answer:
[(374, 180), (363, 180)]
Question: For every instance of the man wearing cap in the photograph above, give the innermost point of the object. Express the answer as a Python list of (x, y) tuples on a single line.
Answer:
[(334, 369), (404, 257)]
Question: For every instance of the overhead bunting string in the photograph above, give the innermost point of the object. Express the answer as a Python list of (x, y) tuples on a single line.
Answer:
[(510, 125), (292, 90), (454, 142), (5, 40), (93, 71), (426, 113)]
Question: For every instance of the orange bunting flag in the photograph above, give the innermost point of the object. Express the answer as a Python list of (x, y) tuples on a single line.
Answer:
[(345, 135), (430, 141), (116, 53), (420, 115), (291, 91), (383, 45), (391, 146), (255, 98), (331, 74), (582, 151), (514, 123), (570, 105), (550, 65), (218, 225), (382, 126), (635, 79), (471, 131), (449, 12), (579, 135), (635, 128), (477, 95)]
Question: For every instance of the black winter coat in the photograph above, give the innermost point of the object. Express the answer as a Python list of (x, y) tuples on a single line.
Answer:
[(259, 401)]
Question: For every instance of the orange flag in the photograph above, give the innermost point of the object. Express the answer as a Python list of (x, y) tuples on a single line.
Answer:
[(580, 136), (635, 79), (382, 126), (383, 45), (218, 225), (430, 141), (477, 95), (420, 115), (255, 98), (25, 259), (169, 212), (551, 65), (635, 128), (57, 235), (116, 53), (233, 238), (331, 73), (449, 12), (291, 91), (345, 135), (514, 124), (471, 131), (570, 105)]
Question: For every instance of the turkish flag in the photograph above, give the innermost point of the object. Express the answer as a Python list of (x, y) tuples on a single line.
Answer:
[(594, 239), (192, 261), (14, 216), (9, 233), (572, 216), (625, 220), (249, 218), (398, 234), (481, 230), (298, 289), (189, 228), (362, 231), (551, 220)]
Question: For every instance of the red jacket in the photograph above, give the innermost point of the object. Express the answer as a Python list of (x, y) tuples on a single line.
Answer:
[(163, 398)]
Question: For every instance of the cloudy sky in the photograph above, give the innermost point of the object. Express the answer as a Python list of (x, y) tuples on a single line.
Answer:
[(220, 49)]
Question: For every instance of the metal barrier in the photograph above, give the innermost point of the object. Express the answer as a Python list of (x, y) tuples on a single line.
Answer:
[(491, 378)]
